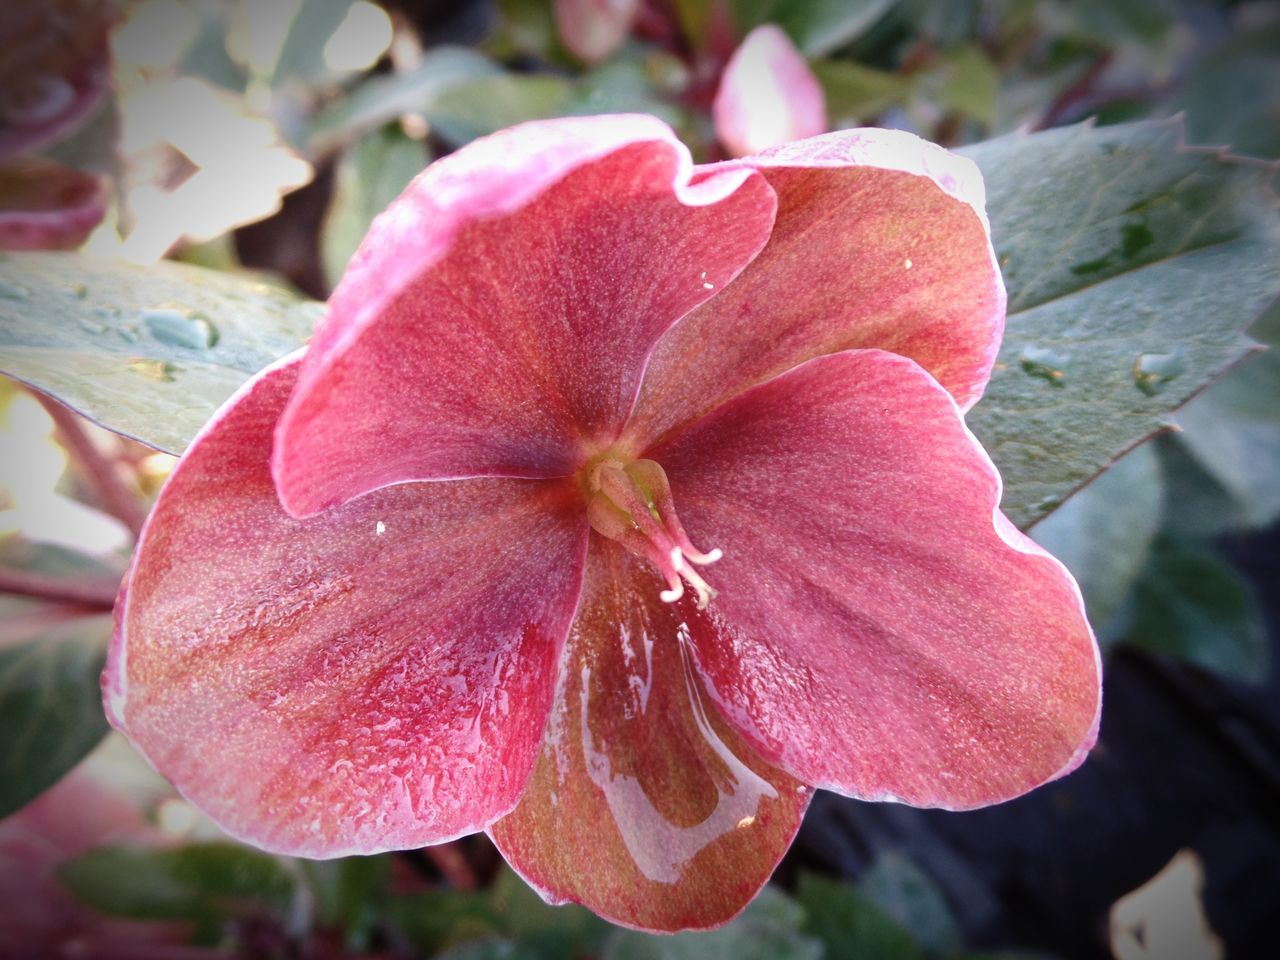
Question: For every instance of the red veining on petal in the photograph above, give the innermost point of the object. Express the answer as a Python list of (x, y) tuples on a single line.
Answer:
[(631, 502)]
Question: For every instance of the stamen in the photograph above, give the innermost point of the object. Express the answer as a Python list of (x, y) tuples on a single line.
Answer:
[(632, 504)]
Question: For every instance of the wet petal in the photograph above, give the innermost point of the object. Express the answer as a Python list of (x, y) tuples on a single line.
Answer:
[(879, 629), (46, 206), (881, 241), (645, 806), (768, 96), (54, 69), (376, 677), (497, 317)]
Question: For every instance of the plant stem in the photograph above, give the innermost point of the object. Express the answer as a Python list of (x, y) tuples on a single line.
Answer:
[(95, 593), (99, 471)]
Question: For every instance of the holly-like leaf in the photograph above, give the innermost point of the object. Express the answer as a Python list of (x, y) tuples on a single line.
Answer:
[(50, 701), (149, 352), (850, 924), (1133, 264)]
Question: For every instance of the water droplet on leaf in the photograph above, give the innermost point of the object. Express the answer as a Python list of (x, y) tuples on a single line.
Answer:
[(1048, 365), (13, 291), (156, 370), (1153, 371), (180, 327)]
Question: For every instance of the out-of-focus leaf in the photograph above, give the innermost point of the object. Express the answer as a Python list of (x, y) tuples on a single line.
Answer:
[(850, 925), (1103, 532), (817, 26), (563, 931), (370, 175), (492, 949), (855, 93), (149, 352), (438, 919), (965, 81), (199, 882), (1189, 603), (50, 701), (769, 929), (905, 893), (1233, 429), (350, 894), (1132, 264), (1196, 504), (480, 106), (383, 98), (1230, 98)]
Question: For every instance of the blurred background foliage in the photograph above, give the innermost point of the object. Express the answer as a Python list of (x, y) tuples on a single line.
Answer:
[(263, 137)]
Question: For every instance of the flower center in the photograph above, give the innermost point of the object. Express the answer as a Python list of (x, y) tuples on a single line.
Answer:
[(630, 502)]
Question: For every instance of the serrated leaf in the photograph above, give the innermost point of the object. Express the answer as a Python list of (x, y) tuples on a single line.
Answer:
[(1133, 264), (769, 929), (150, 352), (1104, 532), (197, 882), (855, 92), (478, 107), (50, 700), (907, 894), (817, 26), (1191, 604)]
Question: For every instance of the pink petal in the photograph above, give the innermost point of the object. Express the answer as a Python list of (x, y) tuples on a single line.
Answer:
[(767, 95), (55, 69), (46, 206), (645, 806), (376, 677), (881, 241), (497, 317), (593, 29), (880, 629)]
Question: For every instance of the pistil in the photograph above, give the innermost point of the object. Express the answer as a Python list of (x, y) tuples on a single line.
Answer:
[(631, 502)]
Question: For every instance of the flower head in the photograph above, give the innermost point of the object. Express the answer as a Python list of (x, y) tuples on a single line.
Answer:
[(615, 505)]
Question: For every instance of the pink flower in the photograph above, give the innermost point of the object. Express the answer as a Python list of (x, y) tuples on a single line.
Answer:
[(767, 96), (593, 29), (446, 572)]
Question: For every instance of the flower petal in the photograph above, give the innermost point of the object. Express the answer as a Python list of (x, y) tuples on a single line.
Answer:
[(593, 29), (880, 629), (768, 96), (373, 678), (55, 70), (645, 806), (46, 206), (496, 319), (881, 241)]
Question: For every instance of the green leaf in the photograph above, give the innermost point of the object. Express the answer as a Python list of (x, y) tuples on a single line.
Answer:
[(1233, 429), (769, 929), (966, 81), (854, 92), (1189, 603), (850, 924), (199, 882), (349, 894), (369, 176), (1230, 95), (1132, 265), (1104, 532), (438, 919), (150, 352), (907, 894), (478, 107), (562, 931), (50, 699), (817, 26), (383, 98)]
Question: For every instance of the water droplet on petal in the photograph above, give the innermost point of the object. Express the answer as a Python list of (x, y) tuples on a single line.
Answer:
[(907, 264), (180, 327), (1048, 365), (1153, 371)]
